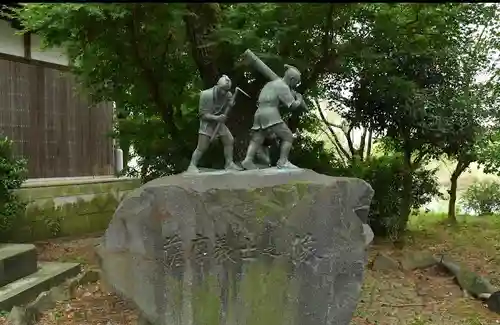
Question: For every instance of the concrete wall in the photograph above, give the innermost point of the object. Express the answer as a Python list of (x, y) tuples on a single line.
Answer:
[(70, 207), (52, 55), (9, 42), (13, 44)]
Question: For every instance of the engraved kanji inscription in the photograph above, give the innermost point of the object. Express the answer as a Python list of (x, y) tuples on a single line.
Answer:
[(222, 251), (247, 248), (267, 246), (200, 248), (303, 250), (172, 247)]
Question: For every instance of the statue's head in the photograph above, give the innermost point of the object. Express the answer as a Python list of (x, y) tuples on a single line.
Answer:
[(292, 76), (224, 84)]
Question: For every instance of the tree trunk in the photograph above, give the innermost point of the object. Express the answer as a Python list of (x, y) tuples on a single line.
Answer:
[(369, 148), (452, 218), (462, 165), (406, 199)]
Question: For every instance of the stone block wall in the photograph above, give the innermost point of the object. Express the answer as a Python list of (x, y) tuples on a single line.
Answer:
[(69, 207)]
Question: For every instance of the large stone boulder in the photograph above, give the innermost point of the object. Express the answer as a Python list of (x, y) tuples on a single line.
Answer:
[(253, 247)]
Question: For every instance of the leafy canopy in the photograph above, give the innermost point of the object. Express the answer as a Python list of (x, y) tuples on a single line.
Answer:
[(152, 60)]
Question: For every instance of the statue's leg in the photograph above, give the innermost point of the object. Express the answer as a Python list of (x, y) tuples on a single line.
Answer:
[(203, 144), (228, 143), (257, 140), (286, 137), (263, 151), (262, 154)]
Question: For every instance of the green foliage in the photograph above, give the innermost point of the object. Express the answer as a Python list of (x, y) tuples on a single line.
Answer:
[(385, 175), (410, 73), (153, 59), (409, 69), (12, 174), (474, 103), (482, 198), (489, 152)]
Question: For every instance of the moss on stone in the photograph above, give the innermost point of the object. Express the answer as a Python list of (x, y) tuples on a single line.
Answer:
[(48, 192), (43, 219), (276, 201), (266, 204), (175, 298), (206, 302), (302, 188), (266, 295)]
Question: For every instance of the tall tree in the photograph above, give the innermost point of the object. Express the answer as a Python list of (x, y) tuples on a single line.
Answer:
[(473, 135), (403, 75), (152, 59), (474, 102)]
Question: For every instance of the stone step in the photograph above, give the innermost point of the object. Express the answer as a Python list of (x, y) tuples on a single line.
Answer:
[(22, 291), (16, 262)]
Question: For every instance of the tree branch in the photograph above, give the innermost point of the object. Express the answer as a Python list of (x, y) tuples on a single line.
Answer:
[(196, 33), (324, 61), (326, 57), (461, 166), (420, 157), (336, 141), (370, 139), (166, 110), (361, 151), (350, 144), (415, 20), (336, 147)]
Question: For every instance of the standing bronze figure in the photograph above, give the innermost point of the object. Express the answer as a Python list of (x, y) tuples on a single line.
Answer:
[(267, 118), (214, 105)]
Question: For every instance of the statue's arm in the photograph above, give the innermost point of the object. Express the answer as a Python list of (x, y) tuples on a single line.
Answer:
[(205, 108), (230, 99), (286, 97), (298, 96)]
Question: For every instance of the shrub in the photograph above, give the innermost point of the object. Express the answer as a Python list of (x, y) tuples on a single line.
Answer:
[(12, 174), (482, 198), (385, 176)]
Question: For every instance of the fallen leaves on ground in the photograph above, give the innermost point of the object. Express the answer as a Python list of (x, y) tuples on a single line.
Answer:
[(91, 306), (389, 298), (81, 250)]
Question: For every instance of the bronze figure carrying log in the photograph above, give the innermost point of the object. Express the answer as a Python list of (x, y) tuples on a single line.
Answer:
[(251, 59), (267, 118)]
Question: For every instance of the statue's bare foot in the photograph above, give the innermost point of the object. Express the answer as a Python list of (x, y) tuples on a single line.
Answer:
[(285, 165), (192, 169), (233, 166), (248, 164)]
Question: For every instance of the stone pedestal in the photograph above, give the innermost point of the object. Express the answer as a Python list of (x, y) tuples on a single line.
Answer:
[(254, 247)]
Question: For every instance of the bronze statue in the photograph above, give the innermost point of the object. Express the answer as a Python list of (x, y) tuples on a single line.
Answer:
[(267, 118), (214, 106), (262, 156)]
